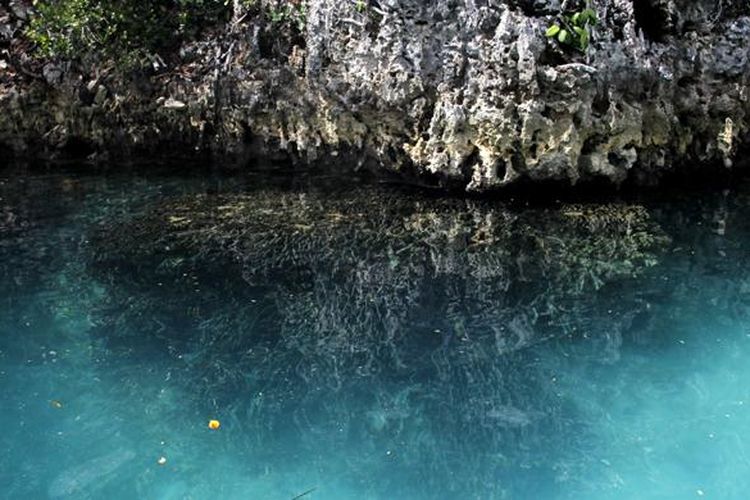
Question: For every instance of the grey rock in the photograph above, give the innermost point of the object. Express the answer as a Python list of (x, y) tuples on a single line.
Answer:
[(20, 9), (100, 96), (171, 103), (52, 74), (89, 475), (468, 93)]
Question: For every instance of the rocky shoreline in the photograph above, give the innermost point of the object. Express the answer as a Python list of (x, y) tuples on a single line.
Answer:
[(464, 94)]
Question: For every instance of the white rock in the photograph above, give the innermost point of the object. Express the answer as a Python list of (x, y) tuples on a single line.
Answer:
[(172, 103)]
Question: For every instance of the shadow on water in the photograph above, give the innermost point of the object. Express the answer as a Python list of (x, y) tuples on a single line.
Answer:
[(372, 341)]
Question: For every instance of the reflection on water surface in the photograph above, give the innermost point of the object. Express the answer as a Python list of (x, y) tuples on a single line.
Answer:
[(364, 341)]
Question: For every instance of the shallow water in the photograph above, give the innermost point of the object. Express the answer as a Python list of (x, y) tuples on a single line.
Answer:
[(365, 341)]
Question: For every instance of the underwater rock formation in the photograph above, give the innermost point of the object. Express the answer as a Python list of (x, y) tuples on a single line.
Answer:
[(314, 294), (377, 316), (92, 474), (469, 94), (370, 259)]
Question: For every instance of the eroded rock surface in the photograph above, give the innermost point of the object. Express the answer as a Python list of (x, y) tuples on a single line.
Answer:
[(460, 92)]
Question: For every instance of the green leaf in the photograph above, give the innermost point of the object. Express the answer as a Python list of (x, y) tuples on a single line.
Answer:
[(576, 18), (583, 41), (552, 31), (579, 31), (563, 36), (590, 15)]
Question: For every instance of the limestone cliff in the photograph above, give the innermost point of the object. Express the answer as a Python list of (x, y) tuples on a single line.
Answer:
[(460, 92)]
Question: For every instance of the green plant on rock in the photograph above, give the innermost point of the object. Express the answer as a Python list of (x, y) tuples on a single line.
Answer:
[(360, 5), (125, 31), (574, 29), (290, 12)]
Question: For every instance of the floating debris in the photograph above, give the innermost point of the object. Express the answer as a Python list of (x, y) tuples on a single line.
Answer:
[(214, 424), (56, 404), (304, 493), (162, 461)]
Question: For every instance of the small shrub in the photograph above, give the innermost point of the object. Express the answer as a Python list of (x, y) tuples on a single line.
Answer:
[(292, 13), (123, 30), (574, 29)]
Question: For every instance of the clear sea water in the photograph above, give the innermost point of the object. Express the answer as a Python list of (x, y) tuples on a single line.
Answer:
[(368, 341)]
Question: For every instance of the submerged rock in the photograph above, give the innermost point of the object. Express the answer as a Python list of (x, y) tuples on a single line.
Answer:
[(510, 416), (340, 277), (375, 317), (356, 313), (260, 233), (79, 480)]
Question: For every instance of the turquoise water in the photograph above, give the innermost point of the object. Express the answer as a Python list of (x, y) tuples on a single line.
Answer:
[(364, 341)]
